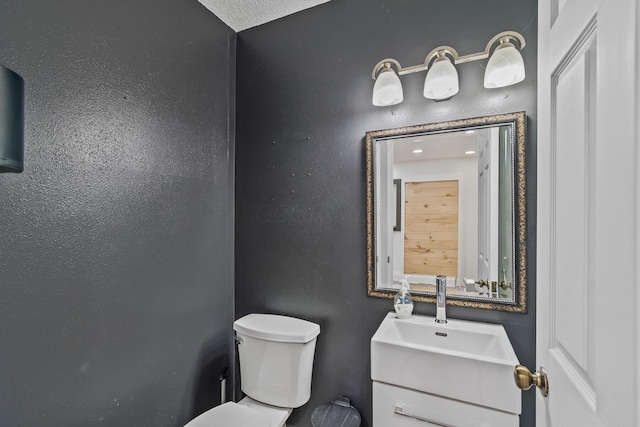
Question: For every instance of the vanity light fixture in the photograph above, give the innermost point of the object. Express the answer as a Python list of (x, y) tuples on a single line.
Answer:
[(505, 68), (470, 152), (442, 79), (387, 89)]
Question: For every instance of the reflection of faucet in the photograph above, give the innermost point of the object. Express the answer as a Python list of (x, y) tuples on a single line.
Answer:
[(441, 299)]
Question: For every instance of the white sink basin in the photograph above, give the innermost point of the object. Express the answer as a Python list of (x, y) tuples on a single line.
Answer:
[(468, 361)]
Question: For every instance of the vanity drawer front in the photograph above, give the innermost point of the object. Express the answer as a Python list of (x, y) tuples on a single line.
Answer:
[(401, 407)]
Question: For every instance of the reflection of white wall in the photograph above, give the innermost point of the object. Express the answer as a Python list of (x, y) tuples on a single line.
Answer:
[(385, 214), (465, 170)]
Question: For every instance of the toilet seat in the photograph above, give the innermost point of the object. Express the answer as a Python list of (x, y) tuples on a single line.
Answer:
[(247, 412), (230, 414)]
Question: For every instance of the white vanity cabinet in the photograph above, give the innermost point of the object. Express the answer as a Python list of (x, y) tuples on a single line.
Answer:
[(458, 374), (395, 406)]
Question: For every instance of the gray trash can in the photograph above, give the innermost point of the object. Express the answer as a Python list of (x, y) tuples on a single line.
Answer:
[(338, 413)]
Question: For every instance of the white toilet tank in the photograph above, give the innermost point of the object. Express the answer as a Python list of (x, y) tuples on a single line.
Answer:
[(276, 358)]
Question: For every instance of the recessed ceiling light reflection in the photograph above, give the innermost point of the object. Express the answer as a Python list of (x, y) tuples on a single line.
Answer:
[(470, 132), (417, 151), (470, 152)]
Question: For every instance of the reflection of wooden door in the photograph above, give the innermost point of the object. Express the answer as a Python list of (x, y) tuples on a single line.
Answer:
[(587, 321), (431, 228)]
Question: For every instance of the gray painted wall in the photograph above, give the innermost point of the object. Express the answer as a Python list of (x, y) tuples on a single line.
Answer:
[(304, 105), (116, 295)]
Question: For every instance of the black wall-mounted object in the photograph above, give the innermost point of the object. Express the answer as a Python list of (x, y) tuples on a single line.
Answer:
[(397, 187), (11, 121)]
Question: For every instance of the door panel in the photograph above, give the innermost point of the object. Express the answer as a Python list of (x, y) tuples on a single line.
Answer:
[(571, 281)]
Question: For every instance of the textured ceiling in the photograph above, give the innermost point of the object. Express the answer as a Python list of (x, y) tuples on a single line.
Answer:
[(243, 14)]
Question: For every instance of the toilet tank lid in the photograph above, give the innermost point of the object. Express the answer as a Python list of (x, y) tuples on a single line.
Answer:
[(272, 327)]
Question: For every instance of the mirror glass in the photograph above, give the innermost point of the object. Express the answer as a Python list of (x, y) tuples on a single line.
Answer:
[(449, 199)]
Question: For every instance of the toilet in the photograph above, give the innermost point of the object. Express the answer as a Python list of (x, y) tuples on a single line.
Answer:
[(276, 360)]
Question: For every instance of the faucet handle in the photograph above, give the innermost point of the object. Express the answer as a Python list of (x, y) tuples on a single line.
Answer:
[(441, 298)]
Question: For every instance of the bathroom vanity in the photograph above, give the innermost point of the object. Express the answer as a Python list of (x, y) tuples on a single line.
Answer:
[(455, 374)]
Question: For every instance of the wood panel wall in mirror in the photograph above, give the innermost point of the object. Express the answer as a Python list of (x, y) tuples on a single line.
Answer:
[(461, 211)]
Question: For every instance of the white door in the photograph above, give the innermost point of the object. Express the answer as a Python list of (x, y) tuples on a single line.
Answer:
[(488, 155), (588, 225)]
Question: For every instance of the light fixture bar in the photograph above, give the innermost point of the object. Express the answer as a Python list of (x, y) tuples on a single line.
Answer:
[(505, 36)]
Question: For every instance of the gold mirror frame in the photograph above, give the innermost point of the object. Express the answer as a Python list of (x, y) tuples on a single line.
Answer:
[(518, 120)]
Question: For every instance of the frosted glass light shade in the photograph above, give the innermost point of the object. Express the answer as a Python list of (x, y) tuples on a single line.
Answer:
[(387, 89), (505, 67), (442, 80)]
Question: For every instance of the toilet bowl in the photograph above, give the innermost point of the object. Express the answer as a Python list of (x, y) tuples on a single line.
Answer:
[(276, 360)]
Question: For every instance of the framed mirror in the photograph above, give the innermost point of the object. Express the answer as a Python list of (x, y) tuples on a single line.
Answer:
[(449, 199)]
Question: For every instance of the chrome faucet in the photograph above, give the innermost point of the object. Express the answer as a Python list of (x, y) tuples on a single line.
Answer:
[(441, 299)]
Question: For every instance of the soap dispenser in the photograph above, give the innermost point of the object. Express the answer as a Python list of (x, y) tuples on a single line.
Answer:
[(403, 303)]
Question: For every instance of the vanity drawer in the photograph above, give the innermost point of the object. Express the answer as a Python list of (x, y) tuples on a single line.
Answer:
[(401, 407)]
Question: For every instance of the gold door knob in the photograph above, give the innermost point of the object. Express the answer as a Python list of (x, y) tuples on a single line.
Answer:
[(525, 379)]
